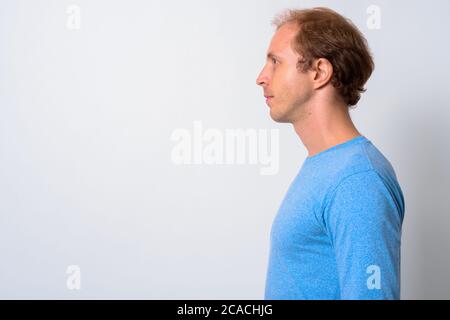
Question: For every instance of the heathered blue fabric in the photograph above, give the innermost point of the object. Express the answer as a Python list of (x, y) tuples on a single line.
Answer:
[(338, 229)]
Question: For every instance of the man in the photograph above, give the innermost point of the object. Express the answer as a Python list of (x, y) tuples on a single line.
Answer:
[(337, 233)]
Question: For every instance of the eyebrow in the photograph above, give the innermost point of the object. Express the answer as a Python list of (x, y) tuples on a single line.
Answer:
[(273, 55)]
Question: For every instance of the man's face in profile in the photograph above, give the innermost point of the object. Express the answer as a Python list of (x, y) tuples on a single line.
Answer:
[(288, 89)]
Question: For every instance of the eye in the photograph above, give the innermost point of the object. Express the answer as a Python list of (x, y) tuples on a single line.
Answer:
[(274, 61)]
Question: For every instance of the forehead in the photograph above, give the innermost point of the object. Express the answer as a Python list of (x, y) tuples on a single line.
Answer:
[(282, 39)]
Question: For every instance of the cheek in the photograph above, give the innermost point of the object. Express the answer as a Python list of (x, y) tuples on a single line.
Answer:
[(289, 84), (291, 80), (300, 83)]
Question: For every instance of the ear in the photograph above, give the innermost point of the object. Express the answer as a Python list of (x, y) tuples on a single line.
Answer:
[(323, 71)]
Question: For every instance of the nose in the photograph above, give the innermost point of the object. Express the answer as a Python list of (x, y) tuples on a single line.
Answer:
[(262, 79)]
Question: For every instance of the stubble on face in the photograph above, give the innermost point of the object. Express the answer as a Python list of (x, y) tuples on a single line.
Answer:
[(291, 88)]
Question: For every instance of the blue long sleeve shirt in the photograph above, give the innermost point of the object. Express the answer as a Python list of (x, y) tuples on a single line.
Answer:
[(337, 233)]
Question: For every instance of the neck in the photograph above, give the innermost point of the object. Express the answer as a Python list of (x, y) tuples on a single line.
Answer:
[(324, 126)]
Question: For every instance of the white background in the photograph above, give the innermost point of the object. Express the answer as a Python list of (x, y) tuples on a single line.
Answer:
[(86, 116)]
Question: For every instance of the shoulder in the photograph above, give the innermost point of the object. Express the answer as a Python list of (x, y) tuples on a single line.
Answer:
[(355, 184), (362, 197)]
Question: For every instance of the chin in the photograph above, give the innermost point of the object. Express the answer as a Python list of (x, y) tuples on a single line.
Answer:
[(277, 117)]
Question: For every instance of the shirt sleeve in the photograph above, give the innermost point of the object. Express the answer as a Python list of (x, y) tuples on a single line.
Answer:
[(364, 226)]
